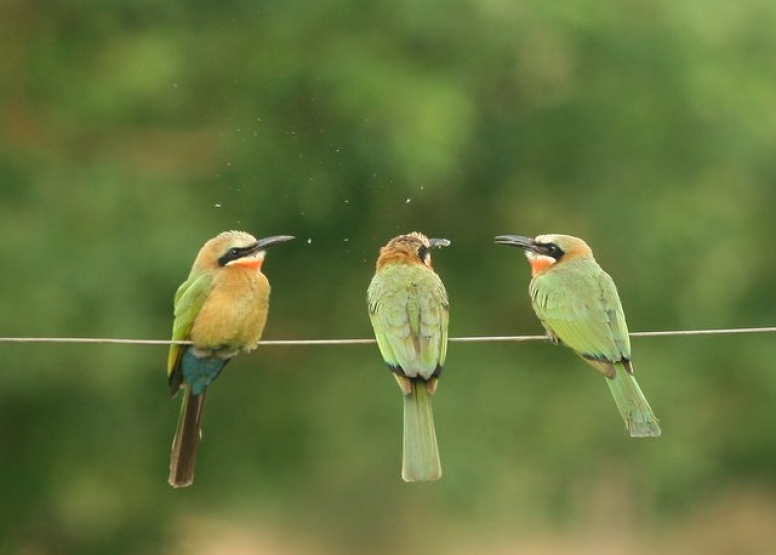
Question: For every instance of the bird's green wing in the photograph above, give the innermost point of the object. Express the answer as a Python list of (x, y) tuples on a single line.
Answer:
[(390, 317), (189, 299), (409, 312), (434, 318), (581, 307)]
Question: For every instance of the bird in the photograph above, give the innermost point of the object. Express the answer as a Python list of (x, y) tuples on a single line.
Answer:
[(409, 311), (221, 309), (578, 305)]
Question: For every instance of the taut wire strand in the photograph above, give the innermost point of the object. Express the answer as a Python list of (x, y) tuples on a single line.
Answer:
[(297, 342)]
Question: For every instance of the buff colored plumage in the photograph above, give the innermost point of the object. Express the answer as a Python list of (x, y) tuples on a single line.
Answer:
[(222, 309)]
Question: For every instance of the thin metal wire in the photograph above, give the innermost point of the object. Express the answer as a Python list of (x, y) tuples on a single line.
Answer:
[(299, 342)]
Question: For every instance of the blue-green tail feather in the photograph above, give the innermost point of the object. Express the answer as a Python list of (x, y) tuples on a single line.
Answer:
[(199, 372)]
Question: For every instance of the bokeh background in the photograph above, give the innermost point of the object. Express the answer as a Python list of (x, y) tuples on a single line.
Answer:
[(134, 131)]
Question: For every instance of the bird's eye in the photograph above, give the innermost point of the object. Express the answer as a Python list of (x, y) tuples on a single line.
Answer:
[(231, 254), (553, 250), (423, 253)]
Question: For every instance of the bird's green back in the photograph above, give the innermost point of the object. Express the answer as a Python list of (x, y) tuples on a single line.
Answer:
[(409, 311), (577, 301)]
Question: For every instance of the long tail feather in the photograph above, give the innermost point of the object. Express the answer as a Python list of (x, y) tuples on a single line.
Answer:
[(633, 406), (421, 454), (184, 446)]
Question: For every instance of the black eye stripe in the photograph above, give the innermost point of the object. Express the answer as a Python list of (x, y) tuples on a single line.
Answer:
[(232, 254), (552, 250), (423, 252)]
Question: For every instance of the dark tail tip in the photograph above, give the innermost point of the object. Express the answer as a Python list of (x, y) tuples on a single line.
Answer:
[(184, 446)]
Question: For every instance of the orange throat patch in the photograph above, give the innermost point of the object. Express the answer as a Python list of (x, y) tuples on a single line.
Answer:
[(249, 263), (539, 263)]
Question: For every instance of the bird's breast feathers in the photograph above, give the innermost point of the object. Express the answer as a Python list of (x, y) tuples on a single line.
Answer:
[(235, 312)]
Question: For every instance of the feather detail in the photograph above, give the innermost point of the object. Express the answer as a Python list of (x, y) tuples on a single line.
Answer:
[(187, 436), (420, 461), (633, 406), (409, 311)]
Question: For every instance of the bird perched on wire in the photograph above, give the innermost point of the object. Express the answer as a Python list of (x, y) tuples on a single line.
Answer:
[(409, 311), (577, 303), (222, 309)]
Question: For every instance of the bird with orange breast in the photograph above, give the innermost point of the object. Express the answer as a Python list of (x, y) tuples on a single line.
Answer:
[(222, 309)]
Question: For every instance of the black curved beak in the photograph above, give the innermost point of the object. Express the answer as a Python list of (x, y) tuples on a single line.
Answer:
[(525, 243), (432, 243), (265, 242)]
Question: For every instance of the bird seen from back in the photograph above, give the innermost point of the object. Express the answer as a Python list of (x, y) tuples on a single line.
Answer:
[(408, 308)]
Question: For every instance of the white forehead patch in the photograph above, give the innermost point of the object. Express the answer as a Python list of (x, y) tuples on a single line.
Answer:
[(548, 238)]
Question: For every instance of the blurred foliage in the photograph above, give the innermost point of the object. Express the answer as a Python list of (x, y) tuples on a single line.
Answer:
[(134, 131)]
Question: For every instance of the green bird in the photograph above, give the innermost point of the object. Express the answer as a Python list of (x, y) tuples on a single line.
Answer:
[(577, 303), (222, 309), (409, 311)]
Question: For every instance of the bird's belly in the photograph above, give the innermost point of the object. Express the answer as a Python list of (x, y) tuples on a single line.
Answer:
[(226, 328)]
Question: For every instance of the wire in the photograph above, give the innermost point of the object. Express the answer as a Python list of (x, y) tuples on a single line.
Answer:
[(298, 342)]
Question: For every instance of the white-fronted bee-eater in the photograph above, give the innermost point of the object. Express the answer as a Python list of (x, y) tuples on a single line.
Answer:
[(222, 309), (577, 303), (409, 310)]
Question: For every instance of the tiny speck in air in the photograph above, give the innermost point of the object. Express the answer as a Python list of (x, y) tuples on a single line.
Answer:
[(409, 200), (309, 240), (218, 205), (346, 239)]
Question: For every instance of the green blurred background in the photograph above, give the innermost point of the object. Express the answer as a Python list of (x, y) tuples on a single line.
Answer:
[(134, 131)]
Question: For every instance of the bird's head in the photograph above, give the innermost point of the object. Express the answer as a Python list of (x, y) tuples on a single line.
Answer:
[(413, 248), (545, 251), (238, 249)]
